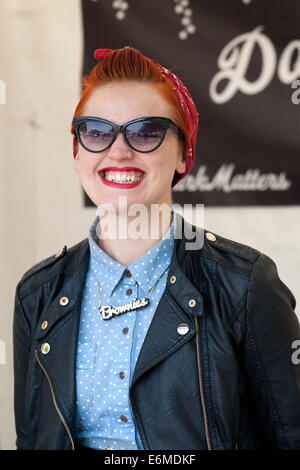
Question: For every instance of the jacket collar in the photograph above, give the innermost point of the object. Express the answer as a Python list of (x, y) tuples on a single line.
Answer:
[(68, 275)]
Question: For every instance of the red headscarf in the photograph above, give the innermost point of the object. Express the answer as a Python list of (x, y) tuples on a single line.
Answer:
[(187, 105)]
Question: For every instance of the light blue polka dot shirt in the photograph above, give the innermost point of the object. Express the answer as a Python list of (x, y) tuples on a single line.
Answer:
[(108, 349)]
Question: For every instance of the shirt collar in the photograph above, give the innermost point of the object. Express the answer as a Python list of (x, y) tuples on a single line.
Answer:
[(151, 265), (146, 270), (111, 270)]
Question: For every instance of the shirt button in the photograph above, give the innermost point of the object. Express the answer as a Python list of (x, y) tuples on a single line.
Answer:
[(109, 448), (129, 291), (121, 375), (125, 330), (124, 419), (128, 273)]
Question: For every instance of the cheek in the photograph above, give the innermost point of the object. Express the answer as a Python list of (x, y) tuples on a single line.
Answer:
[(86, 163)]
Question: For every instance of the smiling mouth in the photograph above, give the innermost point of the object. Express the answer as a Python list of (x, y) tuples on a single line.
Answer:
[(122, 177)]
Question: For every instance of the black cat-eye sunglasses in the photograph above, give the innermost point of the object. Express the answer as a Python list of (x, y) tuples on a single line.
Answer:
[(143, 134)]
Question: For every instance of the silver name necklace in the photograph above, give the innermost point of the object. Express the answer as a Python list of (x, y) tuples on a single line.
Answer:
[(108, 311)]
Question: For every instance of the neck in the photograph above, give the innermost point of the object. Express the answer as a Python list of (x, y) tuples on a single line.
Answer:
[(126, 238)]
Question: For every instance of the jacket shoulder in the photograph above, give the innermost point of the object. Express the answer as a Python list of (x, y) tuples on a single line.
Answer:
[(228, 249), (38, 272), (44, 263), (214, 246)]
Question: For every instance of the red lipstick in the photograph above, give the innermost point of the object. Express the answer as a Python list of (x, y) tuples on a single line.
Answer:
[(120, 169)]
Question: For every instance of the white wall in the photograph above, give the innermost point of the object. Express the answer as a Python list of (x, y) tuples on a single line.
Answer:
[(41, 200)]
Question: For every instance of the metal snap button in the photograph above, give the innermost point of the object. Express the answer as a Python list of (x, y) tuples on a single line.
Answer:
[(59, 253), (183, 329), (44, 325), (210, 236), (64, 301), (45, 348), (172, 279), (109, 448), (192, 303)]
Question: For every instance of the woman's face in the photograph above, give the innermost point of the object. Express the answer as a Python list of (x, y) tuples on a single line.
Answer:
[(120, 102)]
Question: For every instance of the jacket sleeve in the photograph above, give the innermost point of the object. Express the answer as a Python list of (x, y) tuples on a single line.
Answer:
[(21, 351), (271, 332)]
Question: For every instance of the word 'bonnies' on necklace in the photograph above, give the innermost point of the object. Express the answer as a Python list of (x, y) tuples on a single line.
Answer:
[(108, 311)]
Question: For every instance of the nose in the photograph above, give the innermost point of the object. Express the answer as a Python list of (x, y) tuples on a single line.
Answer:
[(119, 150)]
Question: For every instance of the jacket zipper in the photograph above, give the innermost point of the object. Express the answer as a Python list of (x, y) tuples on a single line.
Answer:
[(201, 385), (55, 402)]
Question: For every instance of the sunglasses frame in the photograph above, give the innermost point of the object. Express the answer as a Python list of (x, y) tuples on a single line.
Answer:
[(166, 122)]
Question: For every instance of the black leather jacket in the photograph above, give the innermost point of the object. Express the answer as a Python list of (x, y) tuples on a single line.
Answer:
[(228, 383)]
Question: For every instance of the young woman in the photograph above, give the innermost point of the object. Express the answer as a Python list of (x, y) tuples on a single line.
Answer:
[(138, 342)]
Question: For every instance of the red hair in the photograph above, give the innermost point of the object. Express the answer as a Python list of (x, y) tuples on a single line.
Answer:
[(130, 64)]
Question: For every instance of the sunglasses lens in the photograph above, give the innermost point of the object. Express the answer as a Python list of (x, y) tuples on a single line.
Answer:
[(145, 135), (95, 135)]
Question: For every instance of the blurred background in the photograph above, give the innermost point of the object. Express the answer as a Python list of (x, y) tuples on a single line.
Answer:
[(240, 62)]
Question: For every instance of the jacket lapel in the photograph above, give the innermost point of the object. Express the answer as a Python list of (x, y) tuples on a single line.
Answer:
[(174, 308), (61, 333)]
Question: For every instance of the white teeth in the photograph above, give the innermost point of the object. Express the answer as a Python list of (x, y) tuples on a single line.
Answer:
[(122, 178)]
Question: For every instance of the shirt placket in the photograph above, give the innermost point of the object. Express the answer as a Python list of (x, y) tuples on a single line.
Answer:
[(123, 327)]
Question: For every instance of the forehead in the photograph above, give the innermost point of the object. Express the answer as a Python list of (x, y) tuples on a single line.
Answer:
[(122, 101)]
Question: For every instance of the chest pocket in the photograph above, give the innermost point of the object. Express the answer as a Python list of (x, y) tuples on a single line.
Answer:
[(85, 371)]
